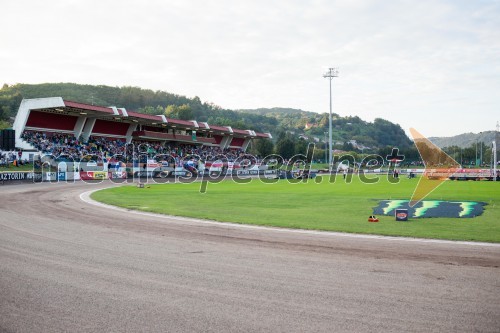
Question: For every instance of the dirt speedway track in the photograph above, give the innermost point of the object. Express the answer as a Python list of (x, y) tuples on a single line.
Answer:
[(67, 265)]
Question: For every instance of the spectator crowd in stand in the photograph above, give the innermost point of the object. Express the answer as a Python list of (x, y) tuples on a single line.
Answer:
[(58, 144), (66, 145)]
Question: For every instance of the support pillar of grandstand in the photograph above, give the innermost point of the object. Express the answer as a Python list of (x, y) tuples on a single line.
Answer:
[(79, 126), (87, 129), (245, 144), (24, 111), (131, 129), (226, 141)]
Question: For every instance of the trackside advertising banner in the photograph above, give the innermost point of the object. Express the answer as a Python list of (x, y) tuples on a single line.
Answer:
[(58, 176), (100, 175), (20, 176), (458, 173)]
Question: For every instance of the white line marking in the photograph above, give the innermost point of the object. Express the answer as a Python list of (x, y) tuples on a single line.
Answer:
[(85, 197)]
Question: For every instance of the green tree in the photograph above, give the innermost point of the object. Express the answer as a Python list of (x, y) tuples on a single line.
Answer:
[(264, 147), (158, 110), (301, 146), (285, 147), (4, 124), (171, 111), (5, 112), (184, 112)]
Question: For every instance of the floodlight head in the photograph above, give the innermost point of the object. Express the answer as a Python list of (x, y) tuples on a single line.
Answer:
[(332, 72)]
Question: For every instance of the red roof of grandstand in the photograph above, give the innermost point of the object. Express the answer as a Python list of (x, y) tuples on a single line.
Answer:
[(219, 128), (203, 125), (180, 122), (145, 116), (87, 107), (238, 131)]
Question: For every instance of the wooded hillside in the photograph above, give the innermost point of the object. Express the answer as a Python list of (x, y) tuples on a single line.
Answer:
[(379, 133)]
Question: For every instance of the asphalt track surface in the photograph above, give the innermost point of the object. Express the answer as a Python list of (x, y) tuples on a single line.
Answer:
[(70, 266)]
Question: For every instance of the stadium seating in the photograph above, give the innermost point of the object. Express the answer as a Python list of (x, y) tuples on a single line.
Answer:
[(61, 144)]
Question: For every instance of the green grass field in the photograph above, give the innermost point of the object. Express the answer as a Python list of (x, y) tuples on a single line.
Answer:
[(11, 168), (326, 206)]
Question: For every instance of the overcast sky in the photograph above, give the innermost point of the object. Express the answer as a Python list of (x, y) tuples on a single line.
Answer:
[(431, 65)]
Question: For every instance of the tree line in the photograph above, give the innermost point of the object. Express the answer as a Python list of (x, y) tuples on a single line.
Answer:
[(376, 134)]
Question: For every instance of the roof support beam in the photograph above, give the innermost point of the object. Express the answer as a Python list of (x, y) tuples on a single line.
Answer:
[(245, 144), (226, 141), (77, 131), (131, 129), (87, 129)]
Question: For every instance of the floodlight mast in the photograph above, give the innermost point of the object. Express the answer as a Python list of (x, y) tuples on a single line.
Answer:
[(494, 152), (332, 72)]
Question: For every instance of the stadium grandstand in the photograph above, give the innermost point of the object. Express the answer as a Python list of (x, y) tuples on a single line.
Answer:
[(117, 126), (78, 135)]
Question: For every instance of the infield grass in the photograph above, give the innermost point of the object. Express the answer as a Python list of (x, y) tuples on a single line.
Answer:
[(325, 206)]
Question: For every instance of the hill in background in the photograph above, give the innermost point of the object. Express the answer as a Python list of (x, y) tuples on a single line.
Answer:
[(132, 98), (464, 140), (349, 131)]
